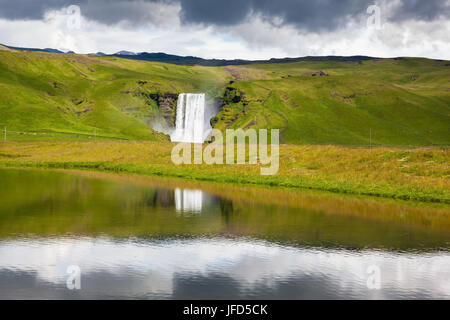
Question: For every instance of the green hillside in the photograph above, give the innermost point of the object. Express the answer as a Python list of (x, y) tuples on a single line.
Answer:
[(67, 96), (406, 102)]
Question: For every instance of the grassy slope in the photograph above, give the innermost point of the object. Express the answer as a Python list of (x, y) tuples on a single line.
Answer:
[(405, 102), (40, 91), (419, 174)]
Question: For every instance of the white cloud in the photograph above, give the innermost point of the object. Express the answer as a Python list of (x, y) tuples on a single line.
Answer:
[(412, 38), (255, 38)]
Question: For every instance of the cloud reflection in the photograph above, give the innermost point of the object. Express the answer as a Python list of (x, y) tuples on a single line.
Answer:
[(213, 268)]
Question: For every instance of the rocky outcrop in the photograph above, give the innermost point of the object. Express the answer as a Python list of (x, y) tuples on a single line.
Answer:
[(214, 121), (85, 111), (167, 105), (166, 102), (232, 95), (316, 74), (232, 104)]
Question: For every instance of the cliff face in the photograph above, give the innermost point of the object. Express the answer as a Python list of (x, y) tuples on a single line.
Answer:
[(167, 104)]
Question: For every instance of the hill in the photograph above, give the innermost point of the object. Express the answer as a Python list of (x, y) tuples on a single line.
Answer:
[(189, 60), (32, 49), (3, 48), (403, 101), (67, 96)]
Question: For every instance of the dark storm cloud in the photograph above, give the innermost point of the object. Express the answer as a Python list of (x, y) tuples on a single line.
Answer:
[(305, 14), (26, 9), (215, 12), (422, 10), (105, 11), (111, 12), (325, 14)]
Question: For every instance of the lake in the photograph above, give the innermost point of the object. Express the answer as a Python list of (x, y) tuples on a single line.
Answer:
[(84, 235)]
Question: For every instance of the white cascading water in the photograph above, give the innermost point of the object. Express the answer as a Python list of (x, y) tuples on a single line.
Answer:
[(191, 125)]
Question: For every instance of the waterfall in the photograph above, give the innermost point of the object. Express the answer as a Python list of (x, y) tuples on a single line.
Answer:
[(191, 124)]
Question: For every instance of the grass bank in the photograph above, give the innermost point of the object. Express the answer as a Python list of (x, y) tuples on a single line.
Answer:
[(410, 174)]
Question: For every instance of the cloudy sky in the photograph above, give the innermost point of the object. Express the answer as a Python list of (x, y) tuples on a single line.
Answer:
[(248, 29)]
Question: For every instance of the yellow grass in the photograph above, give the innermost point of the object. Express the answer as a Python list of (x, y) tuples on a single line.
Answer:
[(418, 174)]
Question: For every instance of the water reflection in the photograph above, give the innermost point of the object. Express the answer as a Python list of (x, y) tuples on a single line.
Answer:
[(188, 200), (136, 237), (44, 203), (213, 268)]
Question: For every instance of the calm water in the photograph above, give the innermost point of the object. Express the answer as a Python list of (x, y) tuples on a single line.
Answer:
[(135, 237)]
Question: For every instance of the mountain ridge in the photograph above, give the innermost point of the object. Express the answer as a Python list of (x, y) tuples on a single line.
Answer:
[(192, 60)]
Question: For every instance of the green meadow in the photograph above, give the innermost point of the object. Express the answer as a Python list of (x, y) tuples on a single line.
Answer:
[(404, 102), (45, 96)]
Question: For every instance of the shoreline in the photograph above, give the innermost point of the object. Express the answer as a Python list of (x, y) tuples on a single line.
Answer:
[(414, 174), (107, 168)]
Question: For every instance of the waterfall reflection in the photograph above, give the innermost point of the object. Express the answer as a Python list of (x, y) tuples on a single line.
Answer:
[(190, 201), (226, 209), (162, 198), (183, 201)]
